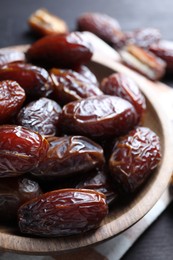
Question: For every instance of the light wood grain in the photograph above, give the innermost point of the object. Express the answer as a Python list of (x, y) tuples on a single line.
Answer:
[(159, 105)]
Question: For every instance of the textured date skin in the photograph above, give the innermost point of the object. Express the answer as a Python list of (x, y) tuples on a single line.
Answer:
[(144, 38), (70, 85), (100, 116), (100, 181), (34, 80), (164, 50), (62, 212), (103, 26), (13, 193), (134, 158), (12, 97), (7, 56), (120, 85), (60, 51), (70, 156), (87, 73), (41, 116), (21, 150)]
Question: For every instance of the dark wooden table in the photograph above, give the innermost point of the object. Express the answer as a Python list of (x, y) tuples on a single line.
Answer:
[(157, 241)]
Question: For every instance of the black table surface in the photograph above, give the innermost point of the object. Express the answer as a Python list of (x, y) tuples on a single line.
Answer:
[(157, 241)]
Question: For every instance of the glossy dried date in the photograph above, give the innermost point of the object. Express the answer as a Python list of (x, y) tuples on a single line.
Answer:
[(13, 193), (21, 150), (12, 97), (87, 73), (70, 156), (43, 23), (103, 26), (41, 116), (62, 213), (70, 85), (120, 85), (60, 51), (100, 116), (34, 80), (134, 158), (100, 181)]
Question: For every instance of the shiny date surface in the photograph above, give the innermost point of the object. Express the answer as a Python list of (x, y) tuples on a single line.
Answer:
[(63, 212)]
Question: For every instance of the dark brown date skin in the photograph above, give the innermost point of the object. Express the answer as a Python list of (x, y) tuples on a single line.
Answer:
[(144, 37), (41, 116), (100, 116), (65, 51), (12, 97), (8, 56), (164, 50), (104, 26), (13, 193), (120, 85), (100, 181), (70, 156), (87, 73), (70, 85), (134, 158), (21, 150), (34, 80), (62, 213)]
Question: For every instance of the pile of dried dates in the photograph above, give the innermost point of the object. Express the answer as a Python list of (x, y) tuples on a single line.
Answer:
[(70, 146)]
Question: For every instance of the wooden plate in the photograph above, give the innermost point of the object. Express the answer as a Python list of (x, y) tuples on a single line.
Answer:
[(121, 217)]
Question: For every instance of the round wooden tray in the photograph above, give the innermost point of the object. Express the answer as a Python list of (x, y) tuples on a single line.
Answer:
[(121, 216)]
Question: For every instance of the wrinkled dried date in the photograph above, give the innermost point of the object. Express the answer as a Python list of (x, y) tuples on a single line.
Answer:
[(21, 150), (41, 116), (13, 193), (7, 56), (87, 73), (134, 157), (144, 38), (100, 116), (99, 180), (34, 80), (120, 85), (70, 85), (68, 156), (12, 97), (164, 50), (103, 26), (62, 212), (60, 51)]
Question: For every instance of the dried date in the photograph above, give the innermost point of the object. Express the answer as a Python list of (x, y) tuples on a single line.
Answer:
[(134, 158), (100, 116), (65, 51), (70, 85), (120, 85), (12, 97), (62, 212), (8, 56), (103, 26), (87, 73), (143, 38), (44, 23), (41, 116), (164, 50), (13, 193), (21, 150), (34, 80), (100, 181), (70, 156)]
